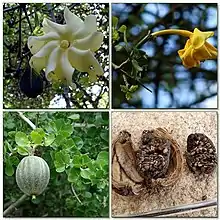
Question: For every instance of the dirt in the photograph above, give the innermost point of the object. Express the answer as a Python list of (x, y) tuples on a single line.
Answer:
[(189, 189)]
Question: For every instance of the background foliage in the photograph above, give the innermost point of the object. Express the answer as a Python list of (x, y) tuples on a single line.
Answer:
[(23, 20), (157, 65), (75, 146)]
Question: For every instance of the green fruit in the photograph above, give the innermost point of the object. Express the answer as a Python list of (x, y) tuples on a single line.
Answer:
[(32, 175)]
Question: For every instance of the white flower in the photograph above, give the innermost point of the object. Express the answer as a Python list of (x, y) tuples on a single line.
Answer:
[(64, 48)]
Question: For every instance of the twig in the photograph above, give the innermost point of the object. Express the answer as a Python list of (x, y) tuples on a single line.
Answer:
[(13, 206), (74, 193), (28, 20), (19, 36), (144, 39), (114, 65), (173, 210), (33, 126), (11, 9)]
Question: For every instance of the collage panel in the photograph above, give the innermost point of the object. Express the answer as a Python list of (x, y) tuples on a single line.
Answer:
[(56, 55), (164, 164), (164, 55), (56, 164)]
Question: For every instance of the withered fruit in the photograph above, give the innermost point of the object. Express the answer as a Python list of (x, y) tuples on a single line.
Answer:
[(201, 154), (157, 161), (153, 156)]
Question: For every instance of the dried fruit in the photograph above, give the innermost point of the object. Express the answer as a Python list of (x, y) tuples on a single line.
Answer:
[(158, 159), (153, 156), (201, 154), (125, 178)]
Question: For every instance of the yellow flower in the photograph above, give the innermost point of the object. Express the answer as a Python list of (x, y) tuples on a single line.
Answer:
[(64, 48), (196, 48)]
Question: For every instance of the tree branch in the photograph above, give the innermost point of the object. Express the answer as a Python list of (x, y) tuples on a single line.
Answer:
[(74, 193), (33, 126), (13, 206)]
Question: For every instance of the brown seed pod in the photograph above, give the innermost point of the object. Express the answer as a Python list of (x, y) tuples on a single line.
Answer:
[(125, 178), (173, 159), (201, 154), (133, 171), (153, 156)]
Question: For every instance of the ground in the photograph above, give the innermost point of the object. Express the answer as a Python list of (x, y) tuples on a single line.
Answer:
[(188, 189)]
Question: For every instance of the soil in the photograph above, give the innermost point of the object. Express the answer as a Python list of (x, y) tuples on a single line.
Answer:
[(189, 189)]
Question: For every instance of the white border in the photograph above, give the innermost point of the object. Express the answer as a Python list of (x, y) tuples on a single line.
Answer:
[(110, 88)]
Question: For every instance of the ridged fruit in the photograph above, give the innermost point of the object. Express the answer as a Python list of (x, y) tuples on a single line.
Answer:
[(32, 175)]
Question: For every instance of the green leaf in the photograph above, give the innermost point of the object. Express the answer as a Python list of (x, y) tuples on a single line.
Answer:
[(62, 158), (128, 95), (85, 173), (67, 128), (91, 132), (40, 131), (14, 160), (59, 139), (115, 35), (98, 118), (8, 146), (21, 139), (85, 159), (124, 88), (60, 169), (78, 142), (24, 151), (103, 155), (122, 29), (59, 124), (36, 137), (49, 139), (69, 143), (74, 174), (64, 134), (118, 47), (114, 21), (87, 195), (9, 170), (136, 65), (105, 135), (133, 88), (74, 117), (77, 162)]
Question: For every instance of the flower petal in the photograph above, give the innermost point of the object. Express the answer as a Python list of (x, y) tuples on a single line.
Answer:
[(207, 51), (92, 42), (36, 43), (47, 48), (198, 37), (186, 56), (67, 69), (73, 22), (52, 61), (89, 27), (38, 63), (84, 61), (55, 27), (46, 28)]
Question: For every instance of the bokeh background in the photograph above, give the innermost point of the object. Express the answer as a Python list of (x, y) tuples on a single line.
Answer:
[(172, 85)]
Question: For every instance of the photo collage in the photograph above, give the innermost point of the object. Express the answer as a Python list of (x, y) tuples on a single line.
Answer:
[(109, 110)]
